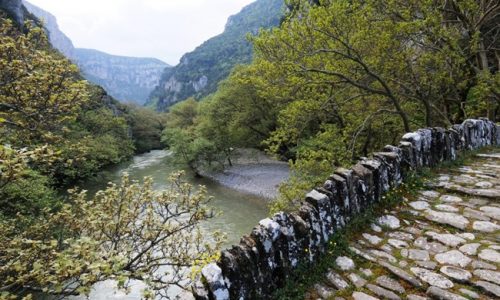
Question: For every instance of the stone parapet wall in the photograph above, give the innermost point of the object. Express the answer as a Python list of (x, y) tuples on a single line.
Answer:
[(263, 260)]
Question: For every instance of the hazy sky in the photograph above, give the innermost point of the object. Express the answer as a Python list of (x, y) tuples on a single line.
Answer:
[(165, 29)]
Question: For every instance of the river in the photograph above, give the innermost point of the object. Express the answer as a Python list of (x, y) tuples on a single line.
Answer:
[(240, 211)]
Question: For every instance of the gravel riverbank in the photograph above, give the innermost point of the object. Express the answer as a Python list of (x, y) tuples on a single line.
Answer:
[(253, 172)]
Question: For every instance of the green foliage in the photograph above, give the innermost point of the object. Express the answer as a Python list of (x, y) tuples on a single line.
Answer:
[(40, 92), (146, 127), (29, 194), (339, 79), (128, 231), (189, 147)]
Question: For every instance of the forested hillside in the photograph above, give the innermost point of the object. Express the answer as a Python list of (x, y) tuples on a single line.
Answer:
[(340, 79), (55, 129), (200, 71)]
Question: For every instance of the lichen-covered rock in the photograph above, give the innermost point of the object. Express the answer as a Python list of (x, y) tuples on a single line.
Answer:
[(216, 282)]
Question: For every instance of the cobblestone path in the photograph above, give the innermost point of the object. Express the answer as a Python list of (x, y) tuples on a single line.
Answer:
[(443, 243)]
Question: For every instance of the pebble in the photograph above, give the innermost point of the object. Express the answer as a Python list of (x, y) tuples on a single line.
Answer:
[(450, 198), (419, 205), (488, 287), (432, 278), (437, 293), (415, 297), (467, 236), (356, 280), (469, 293), (381, 292), (448, 218), (454, 258), (376, 228), (401, 235), (470, 249), (390, 221), (389, 283), (373, 239), (337, 281), (458, 274), (431, 265), (402, 274), (324, 291), (491, 211), (383, 254), (488, 275), (484, 185), (344, 263), (475, 214), (447, 238), (367, 272), (477, 264), (362, 296), (420, 255), (398, 243), (445, 207), (490, 255), (485, 226), (430, 194), (362, 254)]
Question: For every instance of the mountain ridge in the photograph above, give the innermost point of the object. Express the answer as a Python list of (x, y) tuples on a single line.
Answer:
[(200, 70), (126, 78)]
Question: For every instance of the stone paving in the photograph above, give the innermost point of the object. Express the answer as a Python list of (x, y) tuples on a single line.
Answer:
[(443, 243)]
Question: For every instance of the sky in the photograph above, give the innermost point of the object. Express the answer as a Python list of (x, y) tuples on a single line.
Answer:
[(164, 29)]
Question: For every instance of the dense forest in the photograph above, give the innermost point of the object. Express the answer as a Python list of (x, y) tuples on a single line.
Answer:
[(336, 80), (340, 79)]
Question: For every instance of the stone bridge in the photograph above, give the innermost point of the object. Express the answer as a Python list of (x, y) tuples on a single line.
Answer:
[(441, 244)]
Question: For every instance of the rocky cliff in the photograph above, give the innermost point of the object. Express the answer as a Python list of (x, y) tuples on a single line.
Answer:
[(128, 79), (57, 38), (14, 8), (199, 72), (124, 78)]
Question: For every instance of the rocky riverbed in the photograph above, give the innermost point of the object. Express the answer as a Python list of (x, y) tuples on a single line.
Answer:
[(443, 243), (254, 173)]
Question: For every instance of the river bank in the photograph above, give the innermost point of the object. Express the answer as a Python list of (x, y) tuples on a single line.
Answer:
[(252, 172)]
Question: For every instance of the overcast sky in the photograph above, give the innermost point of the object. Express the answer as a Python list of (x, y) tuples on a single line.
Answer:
[(165, 29)]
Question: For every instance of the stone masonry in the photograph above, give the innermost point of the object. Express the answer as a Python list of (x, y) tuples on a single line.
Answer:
[(264, 259), (443, 243)]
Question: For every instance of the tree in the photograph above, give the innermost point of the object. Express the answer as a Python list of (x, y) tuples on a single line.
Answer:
[(128, 231), (39, 90), (146, 126), (182, 136), (347, 77)]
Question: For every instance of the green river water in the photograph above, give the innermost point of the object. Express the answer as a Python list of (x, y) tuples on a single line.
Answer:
[(240, 212)]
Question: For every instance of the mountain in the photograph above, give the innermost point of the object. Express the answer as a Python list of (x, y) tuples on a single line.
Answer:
[(57, 38), (128, 79), (124, 78), (14, 8), (199, 72)]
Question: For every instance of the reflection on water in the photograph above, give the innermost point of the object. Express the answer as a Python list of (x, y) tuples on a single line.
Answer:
[(240, 212)]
